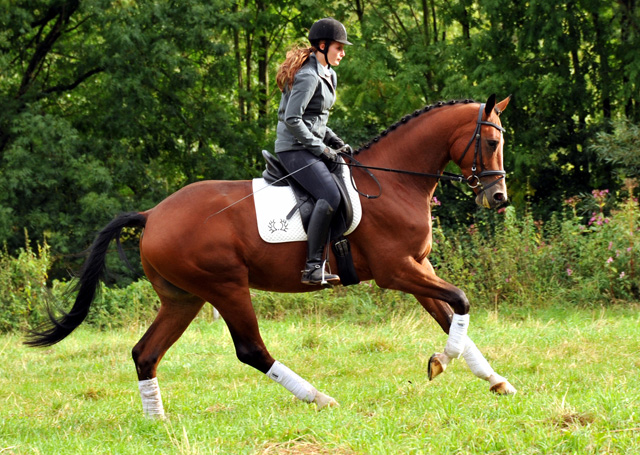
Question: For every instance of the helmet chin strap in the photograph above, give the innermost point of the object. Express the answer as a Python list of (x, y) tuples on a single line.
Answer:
[(325, 52)]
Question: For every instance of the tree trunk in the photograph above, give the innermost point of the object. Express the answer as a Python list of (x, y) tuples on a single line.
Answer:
[(425, 23), (263, 71), (627, 25), (238, 58)]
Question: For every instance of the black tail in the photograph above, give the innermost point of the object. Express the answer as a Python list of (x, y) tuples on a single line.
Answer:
[(92, 272)]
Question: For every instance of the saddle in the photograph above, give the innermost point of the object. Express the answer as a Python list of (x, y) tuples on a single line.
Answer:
[(276, 175)]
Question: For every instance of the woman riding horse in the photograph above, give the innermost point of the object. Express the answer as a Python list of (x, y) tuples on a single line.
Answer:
[(304, 144)]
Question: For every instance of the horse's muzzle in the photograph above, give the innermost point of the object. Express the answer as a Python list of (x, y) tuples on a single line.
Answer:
[(492, 198)]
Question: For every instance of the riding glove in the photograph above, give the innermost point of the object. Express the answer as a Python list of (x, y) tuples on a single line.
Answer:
[(334, 142), (346, 149), (330, 154)]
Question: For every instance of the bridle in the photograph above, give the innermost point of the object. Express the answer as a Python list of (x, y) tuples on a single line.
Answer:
[(474, 179)]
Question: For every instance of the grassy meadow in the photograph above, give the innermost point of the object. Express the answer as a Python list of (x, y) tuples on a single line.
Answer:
[(577, 372)]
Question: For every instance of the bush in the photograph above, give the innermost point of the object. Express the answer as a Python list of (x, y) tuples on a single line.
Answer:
[(585, 255), (23, 287), (25, 295), (580, 261), (619, 148), (113, 307)]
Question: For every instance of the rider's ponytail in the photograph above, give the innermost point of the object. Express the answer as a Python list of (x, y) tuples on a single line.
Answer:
[(296, 57)]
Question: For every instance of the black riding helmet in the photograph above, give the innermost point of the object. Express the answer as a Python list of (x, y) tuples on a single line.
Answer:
[(327, 29)]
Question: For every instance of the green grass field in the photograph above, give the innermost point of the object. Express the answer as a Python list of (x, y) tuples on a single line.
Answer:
[(577, 373)]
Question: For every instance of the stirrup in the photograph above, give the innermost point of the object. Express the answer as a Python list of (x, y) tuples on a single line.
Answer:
[(318, 276)]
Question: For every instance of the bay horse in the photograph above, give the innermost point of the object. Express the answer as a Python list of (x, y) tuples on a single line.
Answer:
[(191, 257)]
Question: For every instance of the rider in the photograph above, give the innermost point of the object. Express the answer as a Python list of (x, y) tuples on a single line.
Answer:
[(304, 143)]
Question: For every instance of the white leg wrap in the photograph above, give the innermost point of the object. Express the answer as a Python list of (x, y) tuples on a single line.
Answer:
[(476, 361), (457, 336), (292, 382), (151, 399)]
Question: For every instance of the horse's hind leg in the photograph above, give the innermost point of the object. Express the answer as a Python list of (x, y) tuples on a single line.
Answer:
[(236, 310), (175, 314), (477, 363)]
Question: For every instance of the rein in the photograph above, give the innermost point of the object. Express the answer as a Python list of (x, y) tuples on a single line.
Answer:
[(446, 176)]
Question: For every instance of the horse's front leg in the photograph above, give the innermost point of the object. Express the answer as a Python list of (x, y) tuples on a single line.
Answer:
[(450, 307), (477, 363)]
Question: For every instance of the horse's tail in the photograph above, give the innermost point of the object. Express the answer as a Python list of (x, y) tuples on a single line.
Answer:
[(90, 276)]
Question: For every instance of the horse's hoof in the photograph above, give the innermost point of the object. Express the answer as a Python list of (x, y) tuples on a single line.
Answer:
[(503, 388), (324, 401), (435, 366)]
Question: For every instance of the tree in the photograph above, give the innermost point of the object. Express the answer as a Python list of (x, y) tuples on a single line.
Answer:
[(107, 107), (110, 106)]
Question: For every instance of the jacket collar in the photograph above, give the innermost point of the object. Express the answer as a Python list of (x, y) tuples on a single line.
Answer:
[(328, 74)]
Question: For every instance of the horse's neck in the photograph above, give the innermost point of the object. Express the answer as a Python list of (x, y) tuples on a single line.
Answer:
[(420, 146)]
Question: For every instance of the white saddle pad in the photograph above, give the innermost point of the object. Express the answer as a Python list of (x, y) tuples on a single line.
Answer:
[(273, 204)]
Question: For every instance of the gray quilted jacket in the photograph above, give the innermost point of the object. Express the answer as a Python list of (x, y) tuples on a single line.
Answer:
[(304, 110)]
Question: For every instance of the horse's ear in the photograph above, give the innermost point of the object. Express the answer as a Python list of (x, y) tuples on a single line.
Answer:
[(490, 104), (501, 106)]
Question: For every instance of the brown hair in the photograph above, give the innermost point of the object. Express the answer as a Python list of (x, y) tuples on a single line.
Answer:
[(295, 58)]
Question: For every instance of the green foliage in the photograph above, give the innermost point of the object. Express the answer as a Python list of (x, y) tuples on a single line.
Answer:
[(25, 295), (586, 256), (365, 303), (106, 108), (114, 307), (619, 148), (517, 260), (111, 106), (23, 287)]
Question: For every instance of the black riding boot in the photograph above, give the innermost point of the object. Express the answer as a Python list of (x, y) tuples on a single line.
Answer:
[(317, 233)]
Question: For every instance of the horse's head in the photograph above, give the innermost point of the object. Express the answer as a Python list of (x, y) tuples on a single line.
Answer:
[(481, 157)]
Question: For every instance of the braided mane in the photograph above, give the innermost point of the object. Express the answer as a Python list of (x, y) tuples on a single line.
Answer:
[(408, 117)]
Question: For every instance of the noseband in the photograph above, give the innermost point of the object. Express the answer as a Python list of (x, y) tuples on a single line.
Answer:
[(474, 179)]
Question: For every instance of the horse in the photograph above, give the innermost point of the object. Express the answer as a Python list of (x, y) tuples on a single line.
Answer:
[(201, 244)]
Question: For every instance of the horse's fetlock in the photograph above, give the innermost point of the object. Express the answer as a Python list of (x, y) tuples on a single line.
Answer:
[(145, 364), (460, 302), (253, 356)]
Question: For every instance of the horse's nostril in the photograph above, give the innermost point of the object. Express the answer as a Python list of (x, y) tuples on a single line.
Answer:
[(498, 197)]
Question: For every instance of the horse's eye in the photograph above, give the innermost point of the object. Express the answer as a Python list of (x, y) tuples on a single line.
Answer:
[(492, 144)]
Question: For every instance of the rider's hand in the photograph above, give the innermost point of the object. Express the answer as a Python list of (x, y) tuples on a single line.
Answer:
[(346, 149), (330, 154), (335, 143)]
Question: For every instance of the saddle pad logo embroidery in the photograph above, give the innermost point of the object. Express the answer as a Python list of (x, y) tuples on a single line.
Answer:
[(273, 204)]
